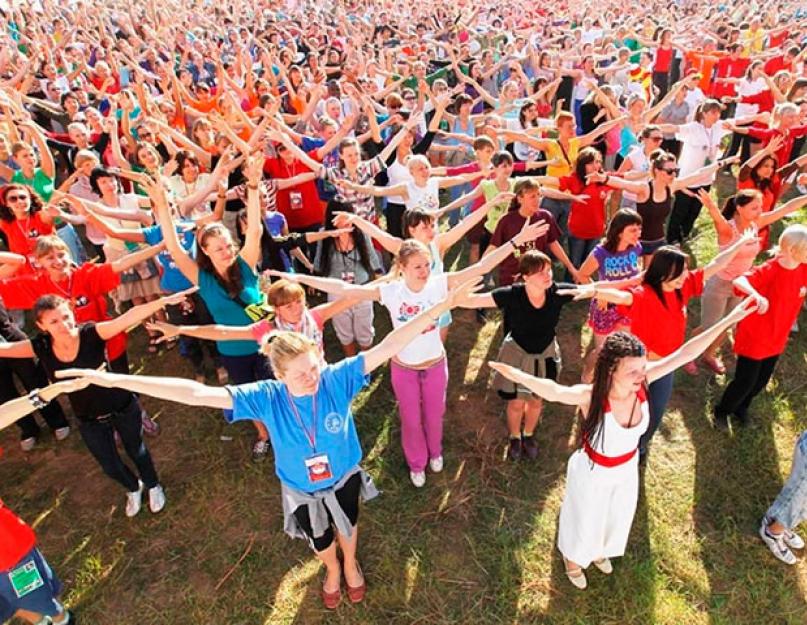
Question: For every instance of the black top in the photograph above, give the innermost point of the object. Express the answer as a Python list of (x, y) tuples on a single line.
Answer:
[(93, 401), (654, 215), (8, 331), (533, 329)]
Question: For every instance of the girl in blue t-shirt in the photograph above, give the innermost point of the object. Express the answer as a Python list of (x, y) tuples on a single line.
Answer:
[(308, 416), (617, 259)]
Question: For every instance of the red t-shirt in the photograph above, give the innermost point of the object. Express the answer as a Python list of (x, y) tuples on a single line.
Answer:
[(300, 204), (663, 60), (764, 100), (508, 227), (762, 336), (662, 326), (22, 235), (776, 64), (16, 538), (728, 68), (769, 197), (788, 137), (586, 219), (86, 290)]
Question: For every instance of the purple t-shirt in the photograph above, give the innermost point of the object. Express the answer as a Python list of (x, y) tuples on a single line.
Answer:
[(618, 265)]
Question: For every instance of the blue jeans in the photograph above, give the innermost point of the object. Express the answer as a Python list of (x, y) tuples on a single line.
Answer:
[(560, 211), (790, 507), (68, 234), (579, 249), (42, 600), (658, 396)]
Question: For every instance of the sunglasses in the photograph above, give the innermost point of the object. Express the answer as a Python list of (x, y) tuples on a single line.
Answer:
[(673, 172), (655, 138), (16, 198)]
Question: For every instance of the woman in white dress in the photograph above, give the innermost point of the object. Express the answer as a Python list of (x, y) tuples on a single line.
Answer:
[(602, 477)]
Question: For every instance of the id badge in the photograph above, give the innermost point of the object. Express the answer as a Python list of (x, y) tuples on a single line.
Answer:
[(295, 200), (25, 579), (349, 277), (319, 468)]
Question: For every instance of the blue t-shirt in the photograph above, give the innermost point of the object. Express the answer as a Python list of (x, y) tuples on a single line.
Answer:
[(172, 280), (269, 401), (229, 312)]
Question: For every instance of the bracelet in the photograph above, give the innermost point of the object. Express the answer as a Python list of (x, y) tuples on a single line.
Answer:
[(36, 400), (513, 243), (607, 178)]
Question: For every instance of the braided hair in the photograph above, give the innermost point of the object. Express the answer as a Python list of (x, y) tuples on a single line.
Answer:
[(617, 346)]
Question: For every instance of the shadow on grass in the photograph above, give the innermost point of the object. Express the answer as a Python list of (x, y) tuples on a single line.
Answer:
[(745, 580)]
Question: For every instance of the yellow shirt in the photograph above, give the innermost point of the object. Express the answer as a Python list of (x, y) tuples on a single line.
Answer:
[(753, 41), (555, 152)]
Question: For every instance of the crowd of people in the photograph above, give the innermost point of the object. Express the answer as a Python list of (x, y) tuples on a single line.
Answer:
[(203, 168)]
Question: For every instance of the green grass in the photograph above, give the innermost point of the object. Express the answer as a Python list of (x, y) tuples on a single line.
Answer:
[(476, 545)]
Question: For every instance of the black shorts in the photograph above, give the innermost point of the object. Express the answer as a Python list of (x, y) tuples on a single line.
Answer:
[(348, 498)]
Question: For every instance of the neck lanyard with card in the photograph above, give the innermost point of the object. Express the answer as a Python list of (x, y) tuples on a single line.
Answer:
[(318, 467)]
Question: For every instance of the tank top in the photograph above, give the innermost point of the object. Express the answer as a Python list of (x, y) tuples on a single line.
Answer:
[(654, 215), (437, 261), (615, 442), (397, 173), (744, 258)]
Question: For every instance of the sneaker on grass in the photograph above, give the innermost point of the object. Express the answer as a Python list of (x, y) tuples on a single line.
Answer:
[(776, 543)]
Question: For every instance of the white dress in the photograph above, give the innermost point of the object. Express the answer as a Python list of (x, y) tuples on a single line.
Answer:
[(599, 503)]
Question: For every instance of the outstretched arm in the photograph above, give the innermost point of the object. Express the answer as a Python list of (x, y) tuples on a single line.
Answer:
[(107, 329), (16, 409), (577, 395), (399, 338), (173, 389), (693, 348)]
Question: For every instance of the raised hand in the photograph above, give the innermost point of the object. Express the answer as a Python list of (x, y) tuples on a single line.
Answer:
[(530, 232)]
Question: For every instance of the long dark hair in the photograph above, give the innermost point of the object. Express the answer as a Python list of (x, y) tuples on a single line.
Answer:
[(741, 198), (359, 240), (617, 346), (231, 281), (623, 218), (585, 157), (666, 264), (34, 206), (763, 184)]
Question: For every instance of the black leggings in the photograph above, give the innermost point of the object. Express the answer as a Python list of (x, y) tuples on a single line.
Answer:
[(348, 498), (394, 215), (99, 436), (750, 378), (32, 377)]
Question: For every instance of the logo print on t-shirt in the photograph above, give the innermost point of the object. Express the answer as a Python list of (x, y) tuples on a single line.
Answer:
[(81, 300), (33, 233), (333, 422), (408, 311)]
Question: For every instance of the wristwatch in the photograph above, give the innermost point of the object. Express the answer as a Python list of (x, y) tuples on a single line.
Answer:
[(36, 400)]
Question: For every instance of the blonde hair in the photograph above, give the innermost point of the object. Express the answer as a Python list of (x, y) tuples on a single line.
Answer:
[(282, 292), (83, 156), (408, 249), (282, 347), (415, 159), (794, 241), (46, 244)]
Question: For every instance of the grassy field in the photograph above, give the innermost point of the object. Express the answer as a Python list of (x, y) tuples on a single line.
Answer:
[(476, 545)]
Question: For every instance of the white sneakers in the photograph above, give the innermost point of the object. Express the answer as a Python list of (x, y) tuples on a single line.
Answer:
[(419, 477), (156, 499), (27, 444), (781, 544), (61, 433), (134, 500)]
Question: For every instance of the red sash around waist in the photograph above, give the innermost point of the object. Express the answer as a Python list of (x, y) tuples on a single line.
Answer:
[(607, 461)]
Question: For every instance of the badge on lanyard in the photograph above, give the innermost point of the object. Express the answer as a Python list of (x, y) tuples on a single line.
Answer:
[(295, 200), (317, 466), (25, 579)]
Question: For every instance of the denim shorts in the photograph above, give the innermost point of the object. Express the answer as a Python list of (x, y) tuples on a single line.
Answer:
[(41, 601)]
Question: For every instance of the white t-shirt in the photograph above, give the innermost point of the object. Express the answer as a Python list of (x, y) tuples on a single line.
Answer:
[(127, 203), (694, 97), (747, 88), (427, 198), (639, 162), (404, 304), (700, 146), (397, 173)]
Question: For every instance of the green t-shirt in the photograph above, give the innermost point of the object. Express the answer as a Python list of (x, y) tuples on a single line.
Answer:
[(490, 191), (41, 183)]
